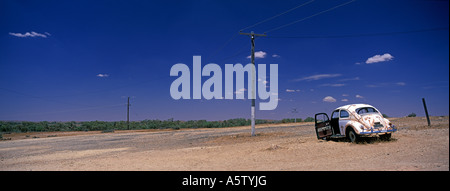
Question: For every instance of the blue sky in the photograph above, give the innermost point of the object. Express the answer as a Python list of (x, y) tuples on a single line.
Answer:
[(80, 60)]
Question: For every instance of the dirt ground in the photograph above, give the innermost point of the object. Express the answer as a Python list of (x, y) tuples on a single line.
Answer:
[(276, 147)]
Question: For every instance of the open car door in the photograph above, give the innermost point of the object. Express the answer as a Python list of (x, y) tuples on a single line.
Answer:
[(322, 126)]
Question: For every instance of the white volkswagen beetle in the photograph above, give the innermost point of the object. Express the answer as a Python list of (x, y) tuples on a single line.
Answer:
[(353, 121)]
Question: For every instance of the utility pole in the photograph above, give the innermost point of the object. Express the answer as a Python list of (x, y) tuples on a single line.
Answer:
[(426, 111), (128, 114), (252, 36), (294, 110)]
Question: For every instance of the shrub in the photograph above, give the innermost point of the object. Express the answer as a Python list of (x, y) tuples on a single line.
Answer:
[(309, 119), (24, 126), (412, 115)]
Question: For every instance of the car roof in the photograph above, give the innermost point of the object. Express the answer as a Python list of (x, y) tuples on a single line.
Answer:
[(352, 107)]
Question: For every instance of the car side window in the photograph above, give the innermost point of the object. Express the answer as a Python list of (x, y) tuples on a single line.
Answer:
[(362, 111), (344, 114), (335, 114), (321, 118)]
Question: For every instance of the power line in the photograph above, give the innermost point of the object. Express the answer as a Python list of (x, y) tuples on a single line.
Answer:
[(221, 47), (276, 15), (234, 36), (363, 35), (239, 52), (308, 17)]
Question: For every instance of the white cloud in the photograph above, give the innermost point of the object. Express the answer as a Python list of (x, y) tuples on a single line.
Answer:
[(291, 91), (379, 58), (240, 91), (30, 34), (359, 96), (263, 81), (275, 56), (344, 100), (345, 95), (349, 79), (259, 54), (387, 84), (333, 85), (102, 75), (329, 99), (400, 83), (318, 77), (288, 90)]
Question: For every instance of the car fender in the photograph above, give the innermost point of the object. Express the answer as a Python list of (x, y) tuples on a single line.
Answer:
[(387, 122), (357, 127)]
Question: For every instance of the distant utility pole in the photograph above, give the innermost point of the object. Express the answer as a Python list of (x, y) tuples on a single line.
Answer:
[(426, 111), (294, 110), (128, 114), (252, 35)]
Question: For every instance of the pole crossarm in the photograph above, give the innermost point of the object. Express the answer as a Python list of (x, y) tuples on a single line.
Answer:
[(252, 34)]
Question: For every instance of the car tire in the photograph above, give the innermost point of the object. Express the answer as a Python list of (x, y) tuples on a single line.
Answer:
[(352, 136)]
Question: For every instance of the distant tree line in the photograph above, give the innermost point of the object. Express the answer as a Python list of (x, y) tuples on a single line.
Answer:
[(27, 126), (292, 120)]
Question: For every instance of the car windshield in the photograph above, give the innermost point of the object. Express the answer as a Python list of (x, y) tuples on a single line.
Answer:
[(366, 110)]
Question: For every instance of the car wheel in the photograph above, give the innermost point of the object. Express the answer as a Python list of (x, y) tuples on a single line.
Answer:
[(352, 135)]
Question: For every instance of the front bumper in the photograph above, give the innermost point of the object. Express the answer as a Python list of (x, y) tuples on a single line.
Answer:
[(376, 132)]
